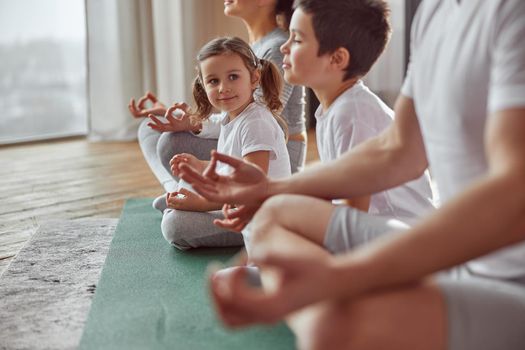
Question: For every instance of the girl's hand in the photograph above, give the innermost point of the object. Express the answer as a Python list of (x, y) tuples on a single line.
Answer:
[(187, 200), (186, 158), (178, 119), (236, 217), (139, 110)]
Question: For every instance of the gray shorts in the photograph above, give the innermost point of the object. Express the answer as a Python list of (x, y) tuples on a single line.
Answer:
[(349, 228), (483, 313)]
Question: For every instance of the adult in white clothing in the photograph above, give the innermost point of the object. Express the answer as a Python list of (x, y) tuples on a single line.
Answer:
[(455, 280)]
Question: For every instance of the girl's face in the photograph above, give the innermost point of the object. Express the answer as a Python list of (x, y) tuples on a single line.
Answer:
[(228, 83)]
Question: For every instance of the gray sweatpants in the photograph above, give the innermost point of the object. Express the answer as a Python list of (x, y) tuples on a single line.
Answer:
[(483, 313), (148, 141)]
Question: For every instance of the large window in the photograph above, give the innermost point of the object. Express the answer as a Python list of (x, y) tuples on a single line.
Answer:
[(42, 69)]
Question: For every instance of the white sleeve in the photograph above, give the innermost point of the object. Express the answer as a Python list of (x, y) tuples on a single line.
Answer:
[(507, 76), (406, 88), (211, 128), (259, 135)]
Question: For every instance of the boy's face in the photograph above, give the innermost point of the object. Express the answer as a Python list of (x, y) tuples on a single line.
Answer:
[(301, 64), (228, 83)]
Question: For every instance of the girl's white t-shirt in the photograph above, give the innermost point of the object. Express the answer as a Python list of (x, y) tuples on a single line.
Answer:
[(254, 129)]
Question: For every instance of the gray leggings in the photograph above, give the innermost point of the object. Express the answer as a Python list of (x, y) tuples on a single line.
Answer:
[(483, 313), (148, 141), (190, 229), (297, 153)]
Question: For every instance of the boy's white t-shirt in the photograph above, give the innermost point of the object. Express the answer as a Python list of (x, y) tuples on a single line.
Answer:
[(356, 116), (467, 62), (254, 129)]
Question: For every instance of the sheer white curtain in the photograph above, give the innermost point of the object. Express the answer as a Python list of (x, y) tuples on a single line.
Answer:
[(42, 70), (139, 45), (181, 28)]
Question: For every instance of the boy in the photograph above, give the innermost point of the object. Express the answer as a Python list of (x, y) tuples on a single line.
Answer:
[(332, 65)]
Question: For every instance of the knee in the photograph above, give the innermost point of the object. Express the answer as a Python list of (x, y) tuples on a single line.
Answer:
[(342, 326), (172, 231), (145, 131), (165, 149), (324, 327), (267, 218)]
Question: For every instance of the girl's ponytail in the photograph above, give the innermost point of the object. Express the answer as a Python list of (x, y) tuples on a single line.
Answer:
[(203, 105), (271, 86)]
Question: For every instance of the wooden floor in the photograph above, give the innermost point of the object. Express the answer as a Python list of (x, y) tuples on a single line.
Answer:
[(70, 179)]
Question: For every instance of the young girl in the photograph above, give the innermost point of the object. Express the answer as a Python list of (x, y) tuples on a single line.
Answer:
[(159, 142), (228, 74)]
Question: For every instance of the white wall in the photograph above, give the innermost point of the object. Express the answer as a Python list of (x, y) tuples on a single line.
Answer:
[(387, 75)]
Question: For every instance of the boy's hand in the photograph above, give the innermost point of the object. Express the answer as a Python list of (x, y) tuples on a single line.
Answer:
[(139, 110), (180, 121), (187, 200), (186, 158)]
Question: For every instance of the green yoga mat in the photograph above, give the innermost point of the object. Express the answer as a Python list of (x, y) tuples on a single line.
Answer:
[(152, 296)]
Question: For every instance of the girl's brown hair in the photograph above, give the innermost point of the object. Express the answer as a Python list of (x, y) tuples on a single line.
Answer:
[(271, 82)]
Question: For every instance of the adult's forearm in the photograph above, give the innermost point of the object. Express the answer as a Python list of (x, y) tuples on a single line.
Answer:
[(373, 166), (488, 216)]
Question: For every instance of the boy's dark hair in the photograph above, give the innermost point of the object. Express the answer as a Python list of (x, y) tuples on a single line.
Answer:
[(360, 26), (284, 8)]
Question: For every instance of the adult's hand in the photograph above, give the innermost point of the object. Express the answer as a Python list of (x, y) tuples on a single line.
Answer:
[(247, 183), (301, 281)]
